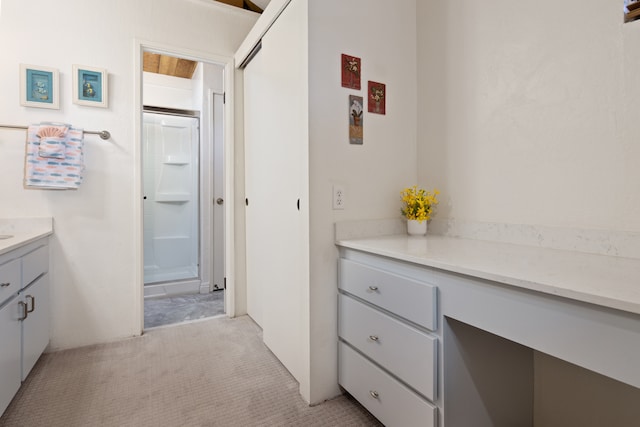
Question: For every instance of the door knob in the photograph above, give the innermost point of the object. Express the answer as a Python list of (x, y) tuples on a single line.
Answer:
[(219, 200)]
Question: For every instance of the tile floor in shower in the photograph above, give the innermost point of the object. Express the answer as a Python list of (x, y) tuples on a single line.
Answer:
[(182, 308)]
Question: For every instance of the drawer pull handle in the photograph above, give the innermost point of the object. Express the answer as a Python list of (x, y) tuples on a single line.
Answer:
[(5, 285), (374, 394), (33, 303), (373, 288), (373, 337), (25, 313)]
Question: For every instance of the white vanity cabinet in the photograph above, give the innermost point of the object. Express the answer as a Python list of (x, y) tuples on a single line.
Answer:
[(24, 314), (387, 351), (456, 332)]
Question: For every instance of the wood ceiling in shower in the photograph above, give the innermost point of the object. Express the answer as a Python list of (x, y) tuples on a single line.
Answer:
[(169, 65)]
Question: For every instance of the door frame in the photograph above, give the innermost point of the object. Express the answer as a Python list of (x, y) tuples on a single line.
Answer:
[(229, 242)]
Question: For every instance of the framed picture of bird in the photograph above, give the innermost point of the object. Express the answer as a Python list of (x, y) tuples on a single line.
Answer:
[(90, 86)]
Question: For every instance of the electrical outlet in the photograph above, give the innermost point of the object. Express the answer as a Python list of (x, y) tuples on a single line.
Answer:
[(339, 197)]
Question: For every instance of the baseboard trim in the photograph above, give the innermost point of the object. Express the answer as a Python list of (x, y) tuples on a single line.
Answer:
[(173, 288)]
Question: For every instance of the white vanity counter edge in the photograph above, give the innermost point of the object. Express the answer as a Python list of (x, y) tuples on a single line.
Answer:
[(23, 231), (607, 281)]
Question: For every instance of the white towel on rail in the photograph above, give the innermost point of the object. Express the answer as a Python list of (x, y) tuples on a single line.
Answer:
[(54, 173)]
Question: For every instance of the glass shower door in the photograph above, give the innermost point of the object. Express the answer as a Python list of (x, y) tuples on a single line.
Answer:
[(170, 180)]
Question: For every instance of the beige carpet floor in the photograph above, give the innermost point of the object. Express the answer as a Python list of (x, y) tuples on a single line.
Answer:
[(215, 372)]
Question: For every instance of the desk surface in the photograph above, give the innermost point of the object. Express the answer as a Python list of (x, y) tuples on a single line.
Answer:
[(607, 281)]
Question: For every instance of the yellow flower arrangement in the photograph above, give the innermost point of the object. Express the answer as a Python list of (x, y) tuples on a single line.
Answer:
[(418, 203)]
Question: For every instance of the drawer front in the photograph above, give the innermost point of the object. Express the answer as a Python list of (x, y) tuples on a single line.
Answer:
[(34, 264), (9, 279), (402, 350), (405, 297), (386, 398)]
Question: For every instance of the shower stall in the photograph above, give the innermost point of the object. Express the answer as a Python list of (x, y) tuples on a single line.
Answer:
[(171, 200)]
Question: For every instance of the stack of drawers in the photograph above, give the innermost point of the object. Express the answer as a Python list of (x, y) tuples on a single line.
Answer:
[(387, 355)]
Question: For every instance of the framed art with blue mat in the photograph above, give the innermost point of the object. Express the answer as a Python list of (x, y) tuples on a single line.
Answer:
[(39, 87), (90, 86)]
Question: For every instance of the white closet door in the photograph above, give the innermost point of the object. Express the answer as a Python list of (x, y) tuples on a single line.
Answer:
[(276, 138)]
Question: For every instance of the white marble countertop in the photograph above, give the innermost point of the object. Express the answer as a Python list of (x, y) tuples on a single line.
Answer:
[(607, 281), (23, 231)]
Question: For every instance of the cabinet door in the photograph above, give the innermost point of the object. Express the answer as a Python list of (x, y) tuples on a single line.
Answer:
[(9, 352), (35, 328)]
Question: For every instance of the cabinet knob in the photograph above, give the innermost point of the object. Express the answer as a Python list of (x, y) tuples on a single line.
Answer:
[(373, 337), (374, 394), (5, 285), (373, 288)]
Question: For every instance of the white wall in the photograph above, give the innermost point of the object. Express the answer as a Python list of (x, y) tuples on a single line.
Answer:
[(159, 90), (527, 112), (95, 285), (373, 174)]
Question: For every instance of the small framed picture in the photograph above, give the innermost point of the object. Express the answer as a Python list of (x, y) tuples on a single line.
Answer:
[(90, 86), (351, 70), (377, 98), (355, 119), (39, 87)]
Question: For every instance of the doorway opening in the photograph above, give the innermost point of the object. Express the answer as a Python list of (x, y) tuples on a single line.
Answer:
[(183, 188)]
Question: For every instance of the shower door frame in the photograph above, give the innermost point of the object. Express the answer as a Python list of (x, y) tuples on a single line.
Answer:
[(200, 282), (228, 64)]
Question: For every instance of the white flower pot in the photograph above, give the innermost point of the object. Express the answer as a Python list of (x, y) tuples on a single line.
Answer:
[(416, 228)]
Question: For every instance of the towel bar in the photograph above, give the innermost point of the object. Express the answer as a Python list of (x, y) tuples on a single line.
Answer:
[(104, 134)]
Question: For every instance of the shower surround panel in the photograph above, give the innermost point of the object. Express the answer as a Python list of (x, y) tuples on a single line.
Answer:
[(171, 232)]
